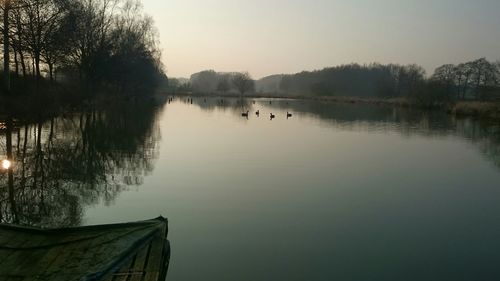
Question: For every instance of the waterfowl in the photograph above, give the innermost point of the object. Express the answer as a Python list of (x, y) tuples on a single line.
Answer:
[(288, 114), (245, 114), (272, 116), (257, 112)]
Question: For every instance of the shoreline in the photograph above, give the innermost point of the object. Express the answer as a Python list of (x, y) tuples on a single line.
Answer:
[(339, 99), (475, 109)]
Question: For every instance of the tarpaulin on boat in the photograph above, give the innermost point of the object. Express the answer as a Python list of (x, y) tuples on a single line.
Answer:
[(83, 253)]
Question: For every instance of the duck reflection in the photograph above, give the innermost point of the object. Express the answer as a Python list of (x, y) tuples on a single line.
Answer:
[(485, 135)]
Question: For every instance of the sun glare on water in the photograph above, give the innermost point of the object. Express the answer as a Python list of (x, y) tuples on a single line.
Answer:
[(6, 164)]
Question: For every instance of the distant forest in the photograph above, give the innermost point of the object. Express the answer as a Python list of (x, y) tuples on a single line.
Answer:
[(95, 44), (211, 82), (479, 79), (475, 80)]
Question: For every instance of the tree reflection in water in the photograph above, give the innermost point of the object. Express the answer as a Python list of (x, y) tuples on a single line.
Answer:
[(63, 165), (484, 134)]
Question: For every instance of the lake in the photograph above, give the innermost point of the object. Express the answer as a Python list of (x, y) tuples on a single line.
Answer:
[(336, 192)]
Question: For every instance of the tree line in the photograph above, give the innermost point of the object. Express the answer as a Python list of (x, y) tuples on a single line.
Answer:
[(475, 80), (356, 80), (97, 44), (211, 82), (478, 79)]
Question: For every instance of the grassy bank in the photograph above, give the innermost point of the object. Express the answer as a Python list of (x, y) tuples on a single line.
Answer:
[(487, 110)]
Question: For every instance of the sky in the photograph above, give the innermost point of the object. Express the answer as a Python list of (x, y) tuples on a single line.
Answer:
[(267, 37)]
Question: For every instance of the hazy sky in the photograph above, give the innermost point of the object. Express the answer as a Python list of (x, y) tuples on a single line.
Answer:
[(285, 36)]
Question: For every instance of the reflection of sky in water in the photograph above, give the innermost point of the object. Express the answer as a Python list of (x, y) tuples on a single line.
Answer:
[(336, 192)]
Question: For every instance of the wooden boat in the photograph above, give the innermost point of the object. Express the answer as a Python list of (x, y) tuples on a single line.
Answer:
[(137, 251)]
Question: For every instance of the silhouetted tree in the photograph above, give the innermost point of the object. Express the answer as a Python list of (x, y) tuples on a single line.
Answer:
[(243, 82), (108, 44), (223, 84), (483, 74), (460, 78), (477, 77), (41, 20), (447, 76)]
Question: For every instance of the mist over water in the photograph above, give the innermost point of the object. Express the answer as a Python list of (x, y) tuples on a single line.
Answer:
[(337, 191)]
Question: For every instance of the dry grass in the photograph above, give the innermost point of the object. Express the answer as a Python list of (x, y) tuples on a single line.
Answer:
[(476, 109), (398, 102)]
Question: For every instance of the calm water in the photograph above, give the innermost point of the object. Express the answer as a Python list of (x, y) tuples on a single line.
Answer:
[(337, 192)]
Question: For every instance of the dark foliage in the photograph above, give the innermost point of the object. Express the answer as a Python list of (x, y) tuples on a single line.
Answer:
[(479, 80), (373, 80), (95, 45)]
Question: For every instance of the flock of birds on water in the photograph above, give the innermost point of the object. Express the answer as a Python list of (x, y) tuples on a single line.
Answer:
[(271, 115), (243, 114)]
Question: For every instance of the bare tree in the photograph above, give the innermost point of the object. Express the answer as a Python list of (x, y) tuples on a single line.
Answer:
[(445, 73), (243, 82), (223, 84), (483, 73), (497, 73), (409, 78), (17, 39), (40, 19), (447, 76), (57, 40)]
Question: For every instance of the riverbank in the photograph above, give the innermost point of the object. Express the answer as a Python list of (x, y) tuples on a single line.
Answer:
[(476, 109), (486, 110), (57, 100), (380, 101)]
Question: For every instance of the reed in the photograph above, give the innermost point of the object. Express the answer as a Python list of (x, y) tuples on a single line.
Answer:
[(476, 109)]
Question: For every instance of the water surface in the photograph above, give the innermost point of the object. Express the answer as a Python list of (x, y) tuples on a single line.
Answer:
[(336, 192)]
